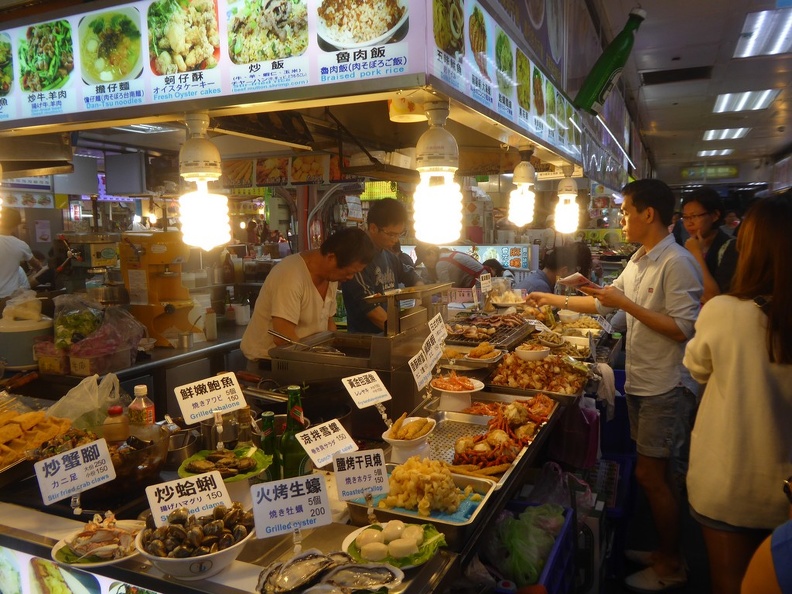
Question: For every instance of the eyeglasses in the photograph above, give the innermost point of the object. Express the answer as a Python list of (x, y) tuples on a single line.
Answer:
[(693, 217), (392, 234)]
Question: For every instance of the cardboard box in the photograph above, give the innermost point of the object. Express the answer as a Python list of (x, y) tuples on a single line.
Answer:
[(53, 364), (101, 364)]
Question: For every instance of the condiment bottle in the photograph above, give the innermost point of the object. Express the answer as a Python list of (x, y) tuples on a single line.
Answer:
[(210, 324), (273, 473), (295, 460), (141, 411), (608, 68), (116, 425)]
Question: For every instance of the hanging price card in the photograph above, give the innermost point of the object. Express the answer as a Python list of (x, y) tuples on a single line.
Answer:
[(199, 494), (486, 282), (360, 473), (322, 441), (74, 471), (281, 507), (366, 389), (199, 401)]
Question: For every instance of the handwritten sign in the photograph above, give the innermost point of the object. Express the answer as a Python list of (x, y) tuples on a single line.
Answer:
[(281, 507), (322, 441), (200, 494), (200, 400), (360, 473), (366, 389), (74, 471), (486, 282)]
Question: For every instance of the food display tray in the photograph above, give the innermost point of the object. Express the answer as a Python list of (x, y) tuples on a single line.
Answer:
[(470, 362), (591, 386), (456, 532), (503, 338)]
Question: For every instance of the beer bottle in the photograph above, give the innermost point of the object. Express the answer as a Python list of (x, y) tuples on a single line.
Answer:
[(608, 68), (295, 460), (273, 473)]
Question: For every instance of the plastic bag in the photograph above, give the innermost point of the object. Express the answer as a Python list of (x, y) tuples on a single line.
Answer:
[(575, 441), (119, 331), (24, 305), (554, 486), (76, 317), (86, 403)]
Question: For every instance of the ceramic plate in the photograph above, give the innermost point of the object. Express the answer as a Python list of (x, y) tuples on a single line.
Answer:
[(351, 538), (61, 552), (477, 386)]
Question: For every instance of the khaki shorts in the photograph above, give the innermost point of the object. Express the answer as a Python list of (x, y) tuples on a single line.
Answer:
[(660, 425)]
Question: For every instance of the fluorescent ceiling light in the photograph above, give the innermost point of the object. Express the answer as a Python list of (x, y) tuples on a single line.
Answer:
[(748, 101), (726, 134), (716, 153), (147, 128), (765, 33)]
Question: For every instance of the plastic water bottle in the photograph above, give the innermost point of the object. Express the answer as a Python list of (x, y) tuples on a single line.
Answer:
[(608, 68)]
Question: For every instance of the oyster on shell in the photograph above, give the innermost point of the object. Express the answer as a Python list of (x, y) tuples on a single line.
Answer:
[(296, 573), (358, 576)]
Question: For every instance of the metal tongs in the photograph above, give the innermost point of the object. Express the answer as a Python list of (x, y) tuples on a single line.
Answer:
[(319, 348)]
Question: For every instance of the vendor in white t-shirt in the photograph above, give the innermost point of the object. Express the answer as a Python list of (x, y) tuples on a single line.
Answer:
[(298, 297)]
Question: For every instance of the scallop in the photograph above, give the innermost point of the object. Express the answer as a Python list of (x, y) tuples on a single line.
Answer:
[(368, 536), (402, 547), (374, 551), (415, 533), (393, 530)]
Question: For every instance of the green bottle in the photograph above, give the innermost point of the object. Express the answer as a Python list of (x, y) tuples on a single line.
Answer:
[(295, 460), (273, 473), (608, 68)]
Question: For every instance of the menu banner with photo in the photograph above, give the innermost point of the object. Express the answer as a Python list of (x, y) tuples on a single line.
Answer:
[(161, 51), (472, 53)]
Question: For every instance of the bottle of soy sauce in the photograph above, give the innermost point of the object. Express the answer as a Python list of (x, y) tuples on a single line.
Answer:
[(295, 460)]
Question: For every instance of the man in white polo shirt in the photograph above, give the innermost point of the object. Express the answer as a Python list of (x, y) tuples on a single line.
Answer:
[(659, 290)]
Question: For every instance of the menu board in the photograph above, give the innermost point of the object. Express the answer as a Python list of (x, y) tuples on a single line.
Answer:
[(475, 56), (161, 51)]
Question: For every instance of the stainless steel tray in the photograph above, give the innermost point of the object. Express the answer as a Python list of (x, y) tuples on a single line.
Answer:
[(454, 531), (562, 399), (470, 362)]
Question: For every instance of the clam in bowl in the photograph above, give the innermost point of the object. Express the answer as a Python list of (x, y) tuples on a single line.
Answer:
[(192, 559)]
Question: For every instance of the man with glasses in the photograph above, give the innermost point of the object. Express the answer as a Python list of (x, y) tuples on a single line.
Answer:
[(385, 225), (659, 290)]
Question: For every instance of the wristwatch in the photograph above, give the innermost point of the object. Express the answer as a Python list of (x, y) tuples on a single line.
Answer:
[(788, 488)]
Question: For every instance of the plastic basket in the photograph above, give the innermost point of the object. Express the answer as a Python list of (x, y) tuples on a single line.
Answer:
[(559, 573)]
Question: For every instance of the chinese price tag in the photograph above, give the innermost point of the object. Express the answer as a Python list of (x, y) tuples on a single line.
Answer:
[(604, 324), (366, 389), (199, 494), (281, 507), (74, 471), (486, 282), (360, 473), (421, 370), (322, 441), (432, 349), (438, 328), (200, 400)]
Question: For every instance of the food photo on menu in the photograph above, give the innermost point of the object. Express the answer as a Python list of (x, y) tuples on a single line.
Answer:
[(351, 24), (261, 30), (183, 36), (111, 46)]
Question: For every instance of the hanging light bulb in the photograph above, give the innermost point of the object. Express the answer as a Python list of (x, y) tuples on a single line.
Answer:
[(522, 200), (204, 216), (437, 201), (567, 213)]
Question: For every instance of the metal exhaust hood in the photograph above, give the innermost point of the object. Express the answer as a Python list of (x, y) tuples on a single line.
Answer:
[(45, 154)]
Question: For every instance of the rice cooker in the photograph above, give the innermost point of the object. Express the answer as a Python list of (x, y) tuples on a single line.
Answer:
[(17, 338)]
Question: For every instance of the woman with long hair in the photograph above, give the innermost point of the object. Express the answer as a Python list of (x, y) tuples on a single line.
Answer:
[(741, 448)]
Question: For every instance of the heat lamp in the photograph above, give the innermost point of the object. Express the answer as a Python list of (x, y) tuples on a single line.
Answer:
[(567, 213), (522, 200), (204, 216), (437, 201)]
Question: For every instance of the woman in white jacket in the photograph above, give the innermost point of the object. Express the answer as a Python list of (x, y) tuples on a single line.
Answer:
[(741, 448)]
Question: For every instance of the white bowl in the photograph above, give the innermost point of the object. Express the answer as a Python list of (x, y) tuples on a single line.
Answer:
[(534, 355), (134, 15), (194, 568), (403, 449), (567, 315), (325, 34)]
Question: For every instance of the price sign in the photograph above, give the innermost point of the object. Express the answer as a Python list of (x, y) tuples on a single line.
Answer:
[(486, 282), (322, 441), (366, 389), (199, 494), (432, 348), (199, 401), (604, 324), (421, 370), (74, 471), (281, 507), (438, 328), (360, 473)]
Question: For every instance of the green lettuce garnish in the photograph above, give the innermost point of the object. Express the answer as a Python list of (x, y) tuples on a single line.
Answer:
[(433, 540)]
